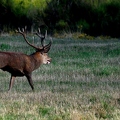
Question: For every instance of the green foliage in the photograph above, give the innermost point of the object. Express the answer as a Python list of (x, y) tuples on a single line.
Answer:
[(20, 12), (97, 17), (82, 25), (61, 25), (109, 16)]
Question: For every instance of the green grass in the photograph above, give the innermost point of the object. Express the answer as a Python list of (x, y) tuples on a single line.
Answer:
[(81, 83)]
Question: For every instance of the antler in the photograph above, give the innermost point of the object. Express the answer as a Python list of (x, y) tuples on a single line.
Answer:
[(23, 32), (40, 36), (45, 49)]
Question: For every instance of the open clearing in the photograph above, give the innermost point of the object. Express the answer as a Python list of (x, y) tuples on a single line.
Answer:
[(81, 83)]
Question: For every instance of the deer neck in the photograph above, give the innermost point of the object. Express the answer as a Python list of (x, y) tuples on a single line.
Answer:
[(36, 59)]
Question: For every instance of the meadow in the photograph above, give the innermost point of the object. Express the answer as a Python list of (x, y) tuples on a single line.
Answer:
[(81, 83)]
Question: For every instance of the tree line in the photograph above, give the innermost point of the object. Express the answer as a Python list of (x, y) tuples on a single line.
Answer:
[(93, 17)]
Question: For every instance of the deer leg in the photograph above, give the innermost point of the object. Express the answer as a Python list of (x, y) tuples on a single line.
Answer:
[(12, 79), (29, 78)]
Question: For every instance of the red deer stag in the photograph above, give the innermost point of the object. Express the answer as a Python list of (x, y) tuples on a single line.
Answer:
[(19, 64)]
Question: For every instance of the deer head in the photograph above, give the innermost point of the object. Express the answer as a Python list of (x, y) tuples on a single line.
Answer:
[(43, 50)]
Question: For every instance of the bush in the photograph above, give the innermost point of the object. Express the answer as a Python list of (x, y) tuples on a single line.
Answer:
[(62, 25), (97, 17)]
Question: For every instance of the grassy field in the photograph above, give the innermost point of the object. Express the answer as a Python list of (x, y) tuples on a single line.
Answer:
[(81, 83)]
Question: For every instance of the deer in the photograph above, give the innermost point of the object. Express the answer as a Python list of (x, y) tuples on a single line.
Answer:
[(19, 64)]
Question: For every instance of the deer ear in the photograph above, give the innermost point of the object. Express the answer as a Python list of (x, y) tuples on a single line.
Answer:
[(46, 50), (47, 47)]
